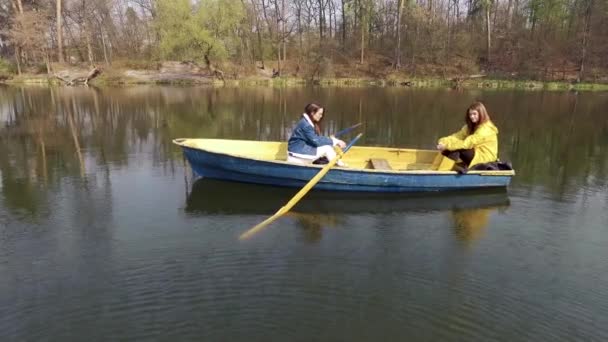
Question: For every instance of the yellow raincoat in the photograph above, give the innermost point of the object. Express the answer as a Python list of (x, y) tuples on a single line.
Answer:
[(484, 140)]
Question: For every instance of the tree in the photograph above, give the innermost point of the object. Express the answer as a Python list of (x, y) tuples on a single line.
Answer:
[(208, 32), (59, 33), (28, 33), (397, 63)]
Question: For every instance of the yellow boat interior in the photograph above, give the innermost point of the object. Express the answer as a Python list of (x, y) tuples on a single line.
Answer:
[(358, 157)]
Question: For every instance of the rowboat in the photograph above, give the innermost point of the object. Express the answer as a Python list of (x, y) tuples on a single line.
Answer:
[(369, 169)]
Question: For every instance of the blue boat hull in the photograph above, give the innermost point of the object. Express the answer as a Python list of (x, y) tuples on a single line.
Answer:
[(227, 167)]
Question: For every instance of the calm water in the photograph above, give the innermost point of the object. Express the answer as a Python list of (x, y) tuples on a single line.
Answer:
[(105, 235)]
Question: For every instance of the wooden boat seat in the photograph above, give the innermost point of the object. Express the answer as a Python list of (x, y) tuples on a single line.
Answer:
[(379, 164)]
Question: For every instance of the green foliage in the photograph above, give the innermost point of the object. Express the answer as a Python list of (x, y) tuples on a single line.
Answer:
[(180, 36), (6, 67), (549, 12), (186, 33), (40, 68)]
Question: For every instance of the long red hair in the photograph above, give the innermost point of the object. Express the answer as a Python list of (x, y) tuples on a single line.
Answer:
[(483, 116), (309, 111)]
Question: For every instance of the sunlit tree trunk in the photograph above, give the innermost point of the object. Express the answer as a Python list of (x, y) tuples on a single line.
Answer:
[(105, 49), (488, 31), (59, 33), (18, 9)]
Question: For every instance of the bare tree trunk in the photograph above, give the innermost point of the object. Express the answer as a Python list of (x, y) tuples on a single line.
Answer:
[(414, 46), (47, 61), (514, 12), (398, 47), (362, 44), (509, 16), (20, 6), (283, 35), (279, 19), (320, 2), (489, 38), (259, 32), (269, 24), (331, 12), (105, 50), (89, 48), (449, 30), (299, 19), (587, 28), (18, 59), (343, 26), (59, 33), (362, 22)]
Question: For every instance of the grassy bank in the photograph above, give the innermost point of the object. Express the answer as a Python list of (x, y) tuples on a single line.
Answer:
[(418, 82)]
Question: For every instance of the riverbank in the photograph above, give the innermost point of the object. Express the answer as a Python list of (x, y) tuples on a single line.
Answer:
[(135, 77)]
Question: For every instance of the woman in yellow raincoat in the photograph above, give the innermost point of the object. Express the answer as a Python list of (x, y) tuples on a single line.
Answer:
[(476, 142)]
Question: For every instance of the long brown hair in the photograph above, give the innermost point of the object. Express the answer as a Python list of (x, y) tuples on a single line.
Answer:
[(310, 110), (483, 116)]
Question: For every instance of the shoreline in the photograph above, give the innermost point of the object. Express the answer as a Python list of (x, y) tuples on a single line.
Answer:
[(414, 83)]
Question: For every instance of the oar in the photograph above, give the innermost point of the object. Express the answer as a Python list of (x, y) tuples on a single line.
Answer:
[(302, 192), (346, 130)]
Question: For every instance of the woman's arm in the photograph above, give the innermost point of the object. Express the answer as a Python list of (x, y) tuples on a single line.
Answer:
[(313, 138), (458, 136), (469, 142)]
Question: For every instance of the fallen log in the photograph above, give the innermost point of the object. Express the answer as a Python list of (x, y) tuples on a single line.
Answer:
[(459, 79), (70, 81)]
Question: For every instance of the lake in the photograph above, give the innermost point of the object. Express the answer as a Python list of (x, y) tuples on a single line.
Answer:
[(105, 234)]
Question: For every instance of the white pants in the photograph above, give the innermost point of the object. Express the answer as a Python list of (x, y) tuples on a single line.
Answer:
[(325, 150)]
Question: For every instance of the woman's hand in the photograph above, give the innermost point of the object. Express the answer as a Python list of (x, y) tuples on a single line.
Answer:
[(337, 142), (441, 147)]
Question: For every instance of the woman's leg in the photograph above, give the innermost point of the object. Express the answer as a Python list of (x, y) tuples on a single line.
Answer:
[(329, 152), (465, 155), (297, 160)]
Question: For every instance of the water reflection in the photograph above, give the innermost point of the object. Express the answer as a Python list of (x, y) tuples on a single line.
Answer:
[(555, 140), (470, 224), (96, 229), (312, 225), (210, 196), (470, 210)]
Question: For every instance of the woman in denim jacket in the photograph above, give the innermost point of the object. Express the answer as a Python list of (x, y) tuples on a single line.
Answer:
[(306, 144)]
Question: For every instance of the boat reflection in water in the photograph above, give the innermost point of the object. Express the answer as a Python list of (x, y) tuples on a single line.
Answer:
[(470, 210)]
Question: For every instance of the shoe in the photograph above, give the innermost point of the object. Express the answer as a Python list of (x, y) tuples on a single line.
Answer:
[(460, 169), (341, 164)]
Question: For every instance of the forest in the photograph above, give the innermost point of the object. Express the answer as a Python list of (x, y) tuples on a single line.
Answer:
[(564, 40)]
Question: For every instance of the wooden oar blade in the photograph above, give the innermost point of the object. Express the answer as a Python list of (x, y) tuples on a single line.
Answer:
[(347, 130), (259, 226)]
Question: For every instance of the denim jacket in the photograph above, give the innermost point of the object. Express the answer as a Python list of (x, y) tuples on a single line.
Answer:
[(304, 140)]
